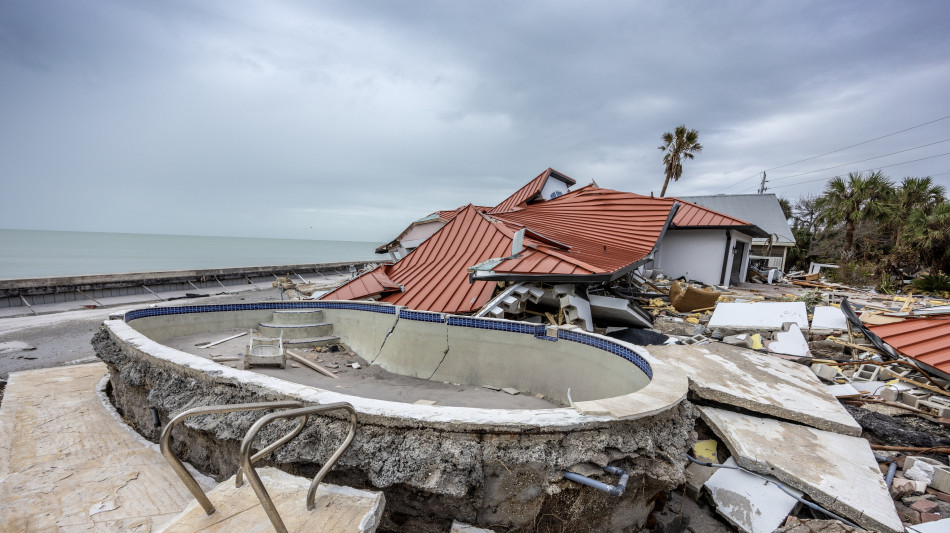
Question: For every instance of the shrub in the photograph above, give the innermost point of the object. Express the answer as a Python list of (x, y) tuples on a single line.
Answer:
[(933, 283), (853, 274)]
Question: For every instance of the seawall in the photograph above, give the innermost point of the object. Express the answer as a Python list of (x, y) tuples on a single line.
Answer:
[(37, 291)]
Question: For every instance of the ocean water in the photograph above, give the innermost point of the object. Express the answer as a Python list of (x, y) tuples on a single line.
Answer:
[(33, 253)]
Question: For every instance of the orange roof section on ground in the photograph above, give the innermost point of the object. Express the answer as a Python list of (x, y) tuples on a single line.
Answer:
[(368, 284), (522, 195), (925, 339)]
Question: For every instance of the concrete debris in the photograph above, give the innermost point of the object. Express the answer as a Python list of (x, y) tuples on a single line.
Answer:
[(836, 471), (794, 525), (734, 376), (749, 502), (511, 391), (789, 342), (577, 311), (935, 473)]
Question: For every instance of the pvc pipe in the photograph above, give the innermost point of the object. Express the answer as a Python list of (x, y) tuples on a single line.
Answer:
[(614, 490), (891, 469)]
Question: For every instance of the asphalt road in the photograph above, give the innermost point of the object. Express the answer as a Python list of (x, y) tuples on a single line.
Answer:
[(54, 339)]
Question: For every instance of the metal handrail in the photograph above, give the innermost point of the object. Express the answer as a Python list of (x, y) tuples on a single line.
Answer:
[(247, 462), (179, 468)]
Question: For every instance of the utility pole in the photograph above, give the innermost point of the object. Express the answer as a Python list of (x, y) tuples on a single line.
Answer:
[(762, 186)]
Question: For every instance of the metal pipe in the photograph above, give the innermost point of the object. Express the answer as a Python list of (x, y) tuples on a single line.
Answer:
[(781, 487), (89, 297), (176, 464), (154, 293), (613, 490), (27, 304), (239, 477), (226, 291), (247, 464)]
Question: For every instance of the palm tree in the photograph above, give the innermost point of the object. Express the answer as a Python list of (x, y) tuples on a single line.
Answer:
[(913, 194), (679, 144), (929, 234), (852, 200)]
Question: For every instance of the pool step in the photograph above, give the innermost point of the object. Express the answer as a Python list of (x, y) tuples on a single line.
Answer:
[(294, 331), (298, 316), (238, 509)]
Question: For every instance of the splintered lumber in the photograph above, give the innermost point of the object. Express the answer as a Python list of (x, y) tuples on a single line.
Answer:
[(304, 361), (215, 343)]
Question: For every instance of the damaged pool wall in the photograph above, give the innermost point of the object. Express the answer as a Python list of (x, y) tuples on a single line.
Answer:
[(500, 467)]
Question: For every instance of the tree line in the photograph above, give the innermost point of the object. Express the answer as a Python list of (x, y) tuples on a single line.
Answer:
[(878, 231)]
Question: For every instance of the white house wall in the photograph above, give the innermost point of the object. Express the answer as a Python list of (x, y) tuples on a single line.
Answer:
[(695, 254)]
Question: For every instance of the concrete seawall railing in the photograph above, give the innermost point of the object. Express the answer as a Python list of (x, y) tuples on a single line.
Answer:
[(38, 291)]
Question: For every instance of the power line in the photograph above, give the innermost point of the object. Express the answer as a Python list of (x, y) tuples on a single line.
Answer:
[(860, 161), (835, 151), (867, 170), (859, 144)]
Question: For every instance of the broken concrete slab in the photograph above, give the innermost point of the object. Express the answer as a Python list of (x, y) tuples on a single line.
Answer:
[(749, 502), (828, 317), (766, 316), (763, 384), (791, 342), (939, 526), (837, 471)]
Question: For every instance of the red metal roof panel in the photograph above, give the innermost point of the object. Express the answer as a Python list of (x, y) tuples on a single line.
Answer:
[(368, 284), (695, 215), (925, 339), (606, 230)]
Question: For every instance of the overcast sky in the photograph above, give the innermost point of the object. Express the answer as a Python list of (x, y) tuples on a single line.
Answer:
[(347, 120)]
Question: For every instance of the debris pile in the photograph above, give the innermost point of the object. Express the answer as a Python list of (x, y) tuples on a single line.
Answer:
[(884, 358)]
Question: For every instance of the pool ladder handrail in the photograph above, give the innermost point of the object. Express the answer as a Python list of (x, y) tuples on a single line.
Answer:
[(247, 461)]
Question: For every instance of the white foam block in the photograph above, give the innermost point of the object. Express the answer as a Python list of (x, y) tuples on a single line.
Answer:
[(828, 317), (758, 315)]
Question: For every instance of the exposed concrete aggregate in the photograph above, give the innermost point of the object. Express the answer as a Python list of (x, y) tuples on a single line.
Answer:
[(507, 478)]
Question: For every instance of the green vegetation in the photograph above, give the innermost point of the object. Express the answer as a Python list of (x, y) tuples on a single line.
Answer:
[(678, 145), (932, 283), (876, 231)]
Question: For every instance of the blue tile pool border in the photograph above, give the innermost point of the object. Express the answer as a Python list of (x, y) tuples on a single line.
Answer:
[(539, 331)]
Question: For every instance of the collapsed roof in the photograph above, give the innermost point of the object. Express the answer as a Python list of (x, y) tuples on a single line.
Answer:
[(584, 236)]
